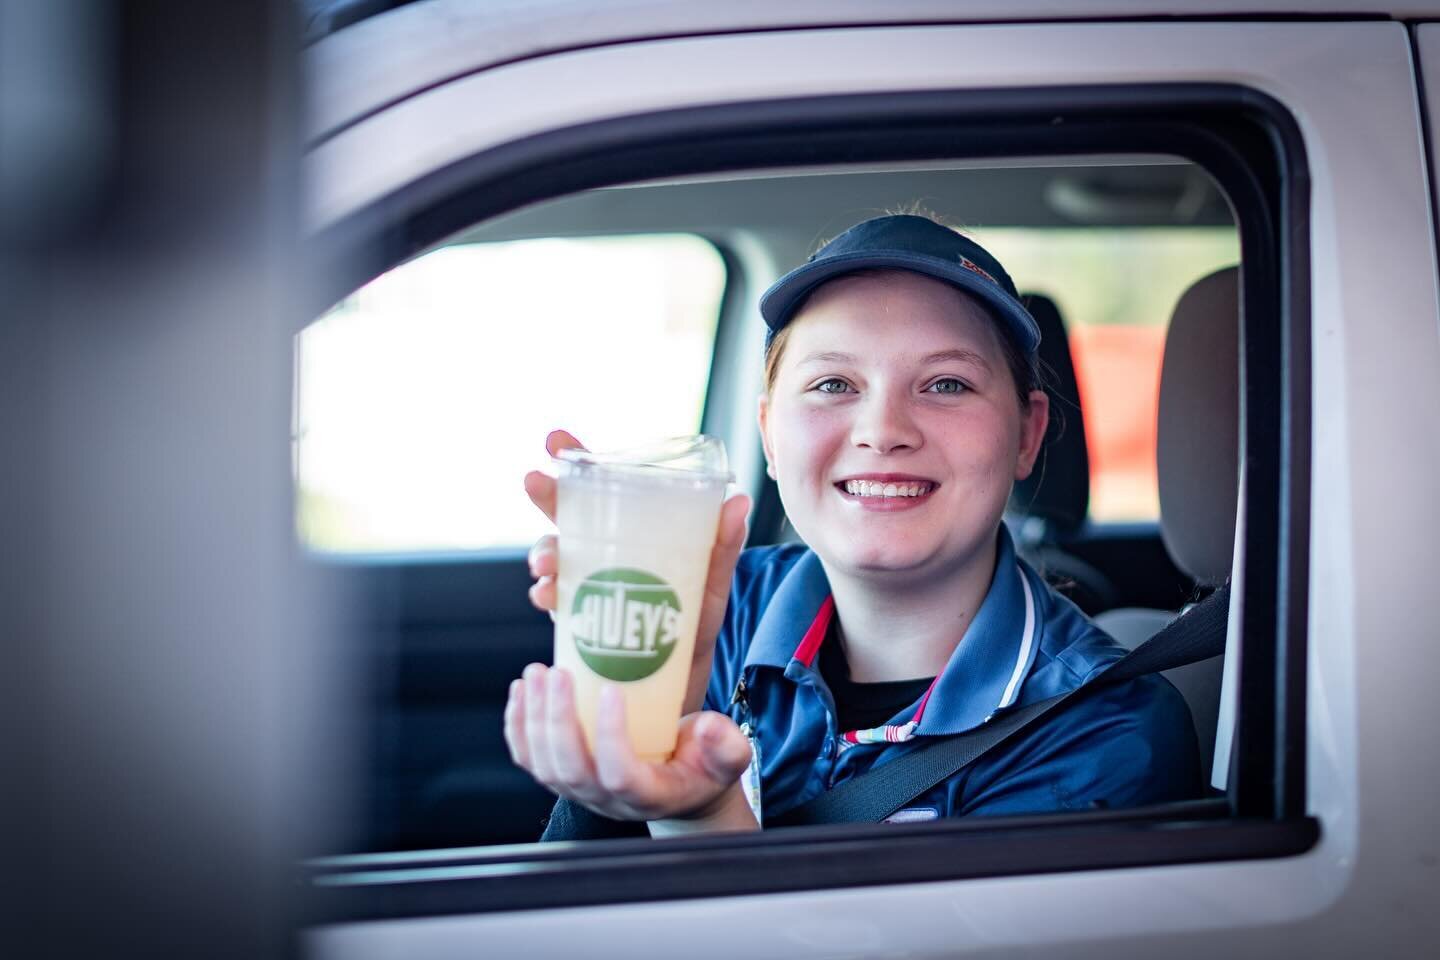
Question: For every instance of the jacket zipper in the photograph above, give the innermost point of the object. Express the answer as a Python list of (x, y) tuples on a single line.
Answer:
[(750, 779)]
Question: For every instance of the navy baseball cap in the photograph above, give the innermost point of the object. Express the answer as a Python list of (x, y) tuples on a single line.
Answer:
[(906, 242)]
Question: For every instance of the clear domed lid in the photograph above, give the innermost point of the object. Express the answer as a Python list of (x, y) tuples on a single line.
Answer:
[(696, 458)]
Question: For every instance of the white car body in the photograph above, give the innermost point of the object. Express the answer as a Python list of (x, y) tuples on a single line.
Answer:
[(388, 97)]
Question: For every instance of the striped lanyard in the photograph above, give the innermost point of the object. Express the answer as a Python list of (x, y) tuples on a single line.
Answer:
[(901, 732), (890, 732)]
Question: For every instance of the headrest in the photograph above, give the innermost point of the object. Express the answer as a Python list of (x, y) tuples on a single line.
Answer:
[(1058, 489), (1198, 448)]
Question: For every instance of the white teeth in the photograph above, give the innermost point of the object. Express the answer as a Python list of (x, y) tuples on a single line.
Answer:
[(872, 488)]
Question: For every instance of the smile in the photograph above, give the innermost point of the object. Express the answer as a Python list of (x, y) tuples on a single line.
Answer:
[(886, 489)]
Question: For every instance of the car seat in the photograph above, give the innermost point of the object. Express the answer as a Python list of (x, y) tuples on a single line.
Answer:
[(1198, 464), (1050, 505)]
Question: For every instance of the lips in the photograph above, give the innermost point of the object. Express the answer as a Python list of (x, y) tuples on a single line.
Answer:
[(886, 491), (876, 488)]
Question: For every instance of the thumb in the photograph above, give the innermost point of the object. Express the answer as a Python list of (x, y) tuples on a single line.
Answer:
[(724, 751), (557, 440)]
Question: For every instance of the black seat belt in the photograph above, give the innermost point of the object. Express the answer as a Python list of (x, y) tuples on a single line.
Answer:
[(1196, 635)]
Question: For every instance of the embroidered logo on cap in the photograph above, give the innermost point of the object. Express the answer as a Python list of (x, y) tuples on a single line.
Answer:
[(970, 265)]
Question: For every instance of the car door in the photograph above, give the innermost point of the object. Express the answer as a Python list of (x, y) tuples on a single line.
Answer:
[(567, 121)]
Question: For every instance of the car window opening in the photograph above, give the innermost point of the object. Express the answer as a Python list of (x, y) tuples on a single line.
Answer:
[(1102, 276)]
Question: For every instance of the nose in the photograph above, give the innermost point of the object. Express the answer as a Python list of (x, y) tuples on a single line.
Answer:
[(884, 423)]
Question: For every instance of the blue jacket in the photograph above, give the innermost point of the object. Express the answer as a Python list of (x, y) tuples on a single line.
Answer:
[(1129, 746)]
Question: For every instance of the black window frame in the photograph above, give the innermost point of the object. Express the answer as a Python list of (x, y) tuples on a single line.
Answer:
[(1250, 144)]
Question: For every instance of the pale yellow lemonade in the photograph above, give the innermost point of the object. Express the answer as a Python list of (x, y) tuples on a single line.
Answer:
[(635, 535)]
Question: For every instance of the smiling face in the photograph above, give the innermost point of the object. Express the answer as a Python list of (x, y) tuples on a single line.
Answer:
[(893, 426)]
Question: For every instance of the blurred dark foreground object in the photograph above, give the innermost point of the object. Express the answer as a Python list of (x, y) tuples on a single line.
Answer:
[(165, 666)]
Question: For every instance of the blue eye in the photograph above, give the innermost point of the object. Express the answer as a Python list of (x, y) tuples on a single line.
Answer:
[(833, 385), (947, 385)]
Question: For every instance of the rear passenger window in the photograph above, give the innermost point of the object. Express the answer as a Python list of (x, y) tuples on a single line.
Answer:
[(427, 392), (1115, 289)]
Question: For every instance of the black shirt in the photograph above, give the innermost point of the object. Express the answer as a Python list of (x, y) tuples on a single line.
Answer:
[(861, 706)]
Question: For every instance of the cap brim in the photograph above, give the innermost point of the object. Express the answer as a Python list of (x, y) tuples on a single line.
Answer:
[(779, 302)]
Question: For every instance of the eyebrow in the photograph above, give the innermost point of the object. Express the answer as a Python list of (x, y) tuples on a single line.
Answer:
[(959, 356), (829, 356)]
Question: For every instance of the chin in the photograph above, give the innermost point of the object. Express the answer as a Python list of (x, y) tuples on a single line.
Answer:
[(882, 559)]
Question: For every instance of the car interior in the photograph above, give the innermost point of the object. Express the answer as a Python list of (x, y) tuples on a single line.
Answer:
[(1128, 263)]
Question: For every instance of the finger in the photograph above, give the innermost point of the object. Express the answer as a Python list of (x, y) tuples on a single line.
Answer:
[(543, 594), (620, 772), (515, 724), (730, 533), (558, 440), (534, 712), (540, 488), (724, 751), (569, 756), (729, 541), (544, 557)]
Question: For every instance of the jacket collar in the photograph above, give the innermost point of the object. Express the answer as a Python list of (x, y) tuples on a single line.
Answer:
[(984, 674)]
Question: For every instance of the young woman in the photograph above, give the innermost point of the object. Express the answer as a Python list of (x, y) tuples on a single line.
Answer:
[(902, 402)]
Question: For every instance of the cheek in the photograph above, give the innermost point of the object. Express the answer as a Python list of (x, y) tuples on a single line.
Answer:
[(805, 439), (984, 447)]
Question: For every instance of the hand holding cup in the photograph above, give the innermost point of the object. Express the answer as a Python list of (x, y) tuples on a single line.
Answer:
[(542, 718), (697, 783)]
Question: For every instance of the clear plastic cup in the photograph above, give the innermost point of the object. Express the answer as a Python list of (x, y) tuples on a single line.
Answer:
[(636, 529)]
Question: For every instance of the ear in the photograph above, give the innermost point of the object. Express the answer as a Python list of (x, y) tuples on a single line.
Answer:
[(762, 418), (1033, 422)]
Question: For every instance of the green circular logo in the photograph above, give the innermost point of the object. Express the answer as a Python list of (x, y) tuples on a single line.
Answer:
[(625, 623)]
